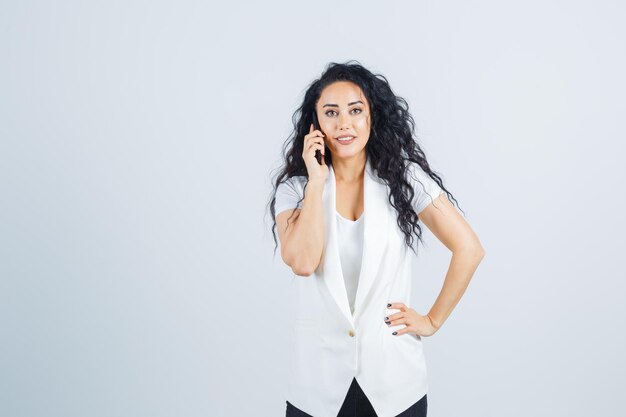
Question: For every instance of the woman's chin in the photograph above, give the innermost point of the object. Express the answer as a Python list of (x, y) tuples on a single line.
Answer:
[(346, 153)]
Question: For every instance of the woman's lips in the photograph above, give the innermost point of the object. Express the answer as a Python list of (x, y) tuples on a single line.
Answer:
[(346, 142)]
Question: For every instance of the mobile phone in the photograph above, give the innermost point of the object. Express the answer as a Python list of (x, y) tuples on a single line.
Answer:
[(318, 153)]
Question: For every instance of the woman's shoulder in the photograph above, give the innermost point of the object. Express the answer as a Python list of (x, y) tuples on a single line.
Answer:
[(424, 187), (292, 187), (290, 193), (296, 181), (416, 172)]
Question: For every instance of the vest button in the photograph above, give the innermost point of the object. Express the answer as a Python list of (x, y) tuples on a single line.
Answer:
[(351, 333)]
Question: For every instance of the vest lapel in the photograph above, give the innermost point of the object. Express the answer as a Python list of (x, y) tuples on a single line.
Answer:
[(375, 226)]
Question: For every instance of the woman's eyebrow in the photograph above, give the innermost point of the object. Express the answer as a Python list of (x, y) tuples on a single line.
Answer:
[(349, 104)]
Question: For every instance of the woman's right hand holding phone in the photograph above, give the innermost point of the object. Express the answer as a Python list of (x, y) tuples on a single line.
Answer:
[(313, 142), (302, 240)]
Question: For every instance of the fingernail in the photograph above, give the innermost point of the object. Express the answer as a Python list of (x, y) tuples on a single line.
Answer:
[(394, 333), (388, 305), (388, 322), (386, 318)]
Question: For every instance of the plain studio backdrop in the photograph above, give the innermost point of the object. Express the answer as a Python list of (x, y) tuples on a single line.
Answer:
[(138, 141)]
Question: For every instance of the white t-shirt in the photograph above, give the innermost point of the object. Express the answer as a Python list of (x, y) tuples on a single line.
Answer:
[(350, 241)]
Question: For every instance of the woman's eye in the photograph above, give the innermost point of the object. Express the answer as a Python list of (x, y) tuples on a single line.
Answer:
[(331, 113)]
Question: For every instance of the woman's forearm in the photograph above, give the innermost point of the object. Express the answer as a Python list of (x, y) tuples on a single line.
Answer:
[(462, 266), (306, 241)]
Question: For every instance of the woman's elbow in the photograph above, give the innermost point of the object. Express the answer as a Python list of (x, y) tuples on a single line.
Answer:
[(303, 269), (306, 267), (300, 267), (303, 272), (473, 251), (476, 251)]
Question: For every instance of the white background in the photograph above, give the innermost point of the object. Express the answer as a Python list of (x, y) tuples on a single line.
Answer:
[(137, 140)]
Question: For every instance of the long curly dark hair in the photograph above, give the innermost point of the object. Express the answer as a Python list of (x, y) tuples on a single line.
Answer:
[(390, 145)]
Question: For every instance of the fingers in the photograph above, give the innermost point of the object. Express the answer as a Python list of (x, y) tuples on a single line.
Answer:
[(314, 132), (398, 322), (314, 140), (313, 136), (397, 319), (314, 145), (401, 331), (414, 323)]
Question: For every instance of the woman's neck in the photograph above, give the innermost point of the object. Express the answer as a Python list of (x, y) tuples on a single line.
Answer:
[(351, 169)]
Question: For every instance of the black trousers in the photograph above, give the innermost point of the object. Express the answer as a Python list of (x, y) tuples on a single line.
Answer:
[(356, 404)]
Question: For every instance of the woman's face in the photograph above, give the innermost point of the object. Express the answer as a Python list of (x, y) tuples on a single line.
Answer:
[(343, 110)]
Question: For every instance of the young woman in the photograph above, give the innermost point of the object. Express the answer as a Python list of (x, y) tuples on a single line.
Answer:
[(347, 204)]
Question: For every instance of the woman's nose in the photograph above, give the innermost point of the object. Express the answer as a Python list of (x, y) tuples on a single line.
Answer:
[(344, 122)]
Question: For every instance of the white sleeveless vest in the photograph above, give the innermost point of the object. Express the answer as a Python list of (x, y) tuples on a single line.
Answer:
[(330, 346)]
